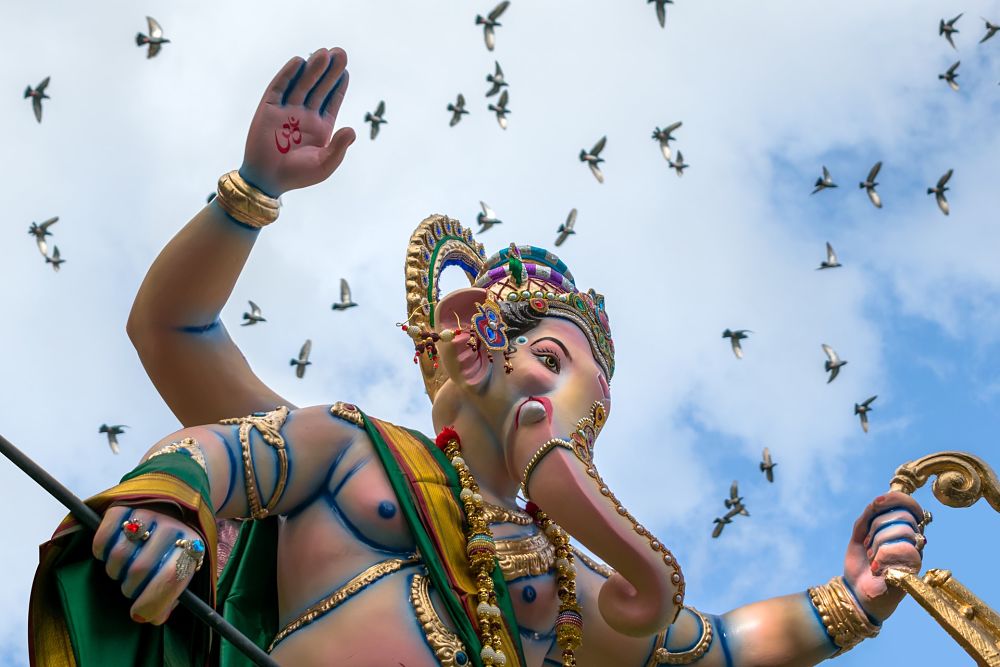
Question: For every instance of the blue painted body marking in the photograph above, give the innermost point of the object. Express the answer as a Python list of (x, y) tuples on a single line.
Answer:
[(819, 621), (322, 488), (291, 84), (358, 535), (329, 66), (164, 557), (201, 328), (720, 632), (330, 95), (349, 474), (897, 508), (897, 522), (232, 469), (850, 589), (115, 536), (122, 573)]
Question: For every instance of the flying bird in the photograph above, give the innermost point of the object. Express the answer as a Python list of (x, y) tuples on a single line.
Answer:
[(155, 39), (735, 501), (490, 23), (254, 316), (862, 411), (40, 231), (869, 185), (303, 359), (113, 433), (345, 297), (55, 260), (679, 165), (735, 338), (990, 30), (831, 261), (665, 135), (376, 119), (720, 523), (457, 110), (501, 110), (833, 363), (767, 465), (593, 158), (566, 228), (939, 190), (37, 94), (496, 79), (946, 28), (661, 10), (824, 182), (951, 75), (487, 218)]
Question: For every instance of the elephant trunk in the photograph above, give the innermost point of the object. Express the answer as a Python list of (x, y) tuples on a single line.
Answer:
[(646, 593)]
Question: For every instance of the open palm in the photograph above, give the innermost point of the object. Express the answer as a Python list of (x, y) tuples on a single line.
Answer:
[(291, 143)]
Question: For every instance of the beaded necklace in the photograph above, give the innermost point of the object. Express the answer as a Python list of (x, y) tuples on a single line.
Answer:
[(482, 553)]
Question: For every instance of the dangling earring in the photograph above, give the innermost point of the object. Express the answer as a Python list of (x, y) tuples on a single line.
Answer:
[(426, 340)]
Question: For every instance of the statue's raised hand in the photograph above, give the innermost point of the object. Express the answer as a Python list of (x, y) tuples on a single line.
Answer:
[(152, 555), (888, 534), (291, 143)]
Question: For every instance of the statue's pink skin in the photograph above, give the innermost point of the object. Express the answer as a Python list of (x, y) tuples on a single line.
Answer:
[(205, 378)]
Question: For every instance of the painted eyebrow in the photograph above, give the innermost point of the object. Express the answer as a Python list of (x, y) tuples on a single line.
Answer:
[(557, 342)]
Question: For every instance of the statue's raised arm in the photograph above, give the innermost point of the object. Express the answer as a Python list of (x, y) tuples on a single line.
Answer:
[(174, 323)]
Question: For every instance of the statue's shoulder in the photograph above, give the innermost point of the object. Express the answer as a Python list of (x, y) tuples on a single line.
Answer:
[(390, 433), (348, 412)]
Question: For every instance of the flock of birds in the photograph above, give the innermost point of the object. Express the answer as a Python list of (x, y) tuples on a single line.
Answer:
[(487, 218), (833, 364)]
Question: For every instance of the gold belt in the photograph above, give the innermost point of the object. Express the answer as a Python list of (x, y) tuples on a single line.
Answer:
[(369, 576)]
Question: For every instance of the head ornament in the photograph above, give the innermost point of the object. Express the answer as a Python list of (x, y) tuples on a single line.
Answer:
[(515, 274)]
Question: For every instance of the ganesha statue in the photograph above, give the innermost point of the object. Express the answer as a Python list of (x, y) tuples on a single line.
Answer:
[(331, 537)]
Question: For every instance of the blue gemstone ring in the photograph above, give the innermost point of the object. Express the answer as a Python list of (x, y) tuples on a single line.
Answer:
[(191, 557)]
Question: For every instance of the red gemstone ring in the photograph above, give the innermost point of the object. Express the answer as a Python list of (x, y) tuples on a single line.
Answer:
[(135, 530)]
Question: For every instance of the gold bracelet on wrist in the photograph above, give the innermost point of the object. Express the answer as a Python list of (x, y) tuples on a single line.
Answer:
[(663, 656), (538, 456), (843, 620), (245, 203)]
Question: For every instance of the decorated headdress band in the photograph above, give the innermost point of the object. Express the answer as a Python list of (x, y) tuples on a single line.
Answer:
[(515, 274)]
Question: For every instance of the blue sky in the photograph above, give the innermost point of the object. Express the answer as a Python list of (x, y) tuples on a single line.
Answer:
[(768, 94)]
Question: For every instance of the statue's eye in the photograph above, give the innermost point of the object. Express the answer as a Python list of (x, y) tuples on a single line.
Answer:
[(550, 360)]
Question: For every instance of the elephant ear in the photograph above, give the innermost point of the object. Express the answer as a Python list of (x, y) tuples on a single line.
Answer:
[(460, 304), (437, 243)]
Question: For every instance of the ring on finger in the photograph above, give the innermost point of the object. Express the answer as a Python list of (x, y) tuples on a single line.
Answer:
[(919, 541), (135, 530), (191, 558), (928, 517)]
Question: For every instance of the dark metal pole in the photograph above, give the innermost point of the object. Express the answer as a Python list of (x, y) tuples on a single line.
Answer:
[(91, 520)]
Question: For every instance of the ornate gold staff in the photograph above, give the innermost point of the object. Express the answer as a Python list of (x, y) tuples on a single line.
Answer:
[(962, 479)]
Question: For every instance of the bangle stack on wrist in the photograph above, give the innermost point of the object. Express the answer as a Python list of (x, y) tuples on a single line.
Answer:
[(245, 203), (843, 620)]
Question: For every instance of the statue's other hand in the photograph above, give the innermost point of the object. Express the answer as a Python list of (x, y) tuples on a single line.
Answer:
[(291, 143), (146, 566), (886, 535)]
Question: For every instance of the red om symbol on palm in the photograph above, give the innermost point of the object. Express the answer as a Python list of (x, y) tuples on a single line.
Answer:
[(290, 134)]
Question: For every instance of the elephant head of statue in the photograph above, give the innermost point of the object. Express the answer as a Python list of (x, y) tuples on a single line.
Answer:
[(528, 358)]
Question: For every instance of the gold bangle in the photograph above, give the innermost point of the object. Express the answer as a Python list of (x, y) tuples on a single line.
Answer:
[(245, 203), (662, 656), (538, 456), (845, 623)]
